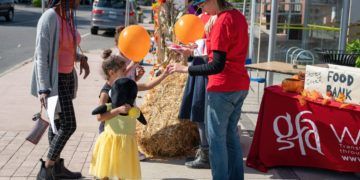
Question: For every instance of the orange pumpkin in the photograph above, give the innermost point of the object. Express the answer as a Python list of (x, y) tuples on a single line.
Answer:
[(295, 76), (292, 85), (299, 76)]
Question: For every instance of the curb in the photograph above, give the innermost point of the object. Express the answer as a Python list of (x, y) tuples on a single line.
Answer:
[(15, 67)]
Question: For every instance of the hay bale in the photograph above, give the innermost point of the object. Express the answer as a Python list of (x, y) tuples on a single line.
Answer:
[(165, 135)]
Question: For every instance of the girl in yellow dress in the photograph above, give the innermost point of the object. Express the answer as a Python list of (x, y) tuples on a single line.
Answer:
[(115, 154)]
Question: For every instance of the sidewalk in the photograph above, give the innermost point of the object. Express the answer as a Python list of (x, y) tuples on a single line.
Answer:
[(19, 158)]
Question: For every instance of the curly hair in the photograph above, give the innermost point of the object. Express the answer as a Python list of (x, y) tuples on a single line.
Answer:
[(111, 62)]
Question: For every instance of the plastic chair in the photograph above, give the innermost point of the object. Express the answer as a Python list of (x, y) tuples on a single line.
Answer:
[(256, 79)]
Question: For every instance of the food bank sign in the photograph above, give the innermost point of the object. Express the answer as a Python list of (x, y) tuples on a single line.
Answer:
[(336, 79)]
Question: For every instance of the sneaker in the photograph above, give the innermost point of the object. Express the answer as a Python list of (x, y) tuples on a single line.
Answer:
[(201, 161), (142, 156), (197, 154)]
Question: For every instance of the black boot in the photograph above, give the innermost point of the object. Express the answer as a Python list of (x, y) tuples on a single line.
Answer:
[(45, 173), (63, 173), (201, 161)]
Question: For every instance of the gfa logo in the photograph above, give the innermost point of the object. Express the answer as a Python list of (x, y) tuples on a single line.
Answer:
[(299, 133)]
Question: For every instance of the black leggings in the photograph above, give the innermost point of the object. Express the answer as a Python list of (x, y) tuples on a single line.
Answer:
[(66, 125)]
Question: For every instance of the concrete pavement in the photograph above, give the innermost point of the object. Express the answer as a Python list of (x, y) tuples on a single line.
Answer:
[(19, 158)]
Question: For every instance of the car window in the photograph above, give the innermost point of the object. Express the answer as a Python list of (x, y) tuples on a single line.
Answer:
[(118, 4)]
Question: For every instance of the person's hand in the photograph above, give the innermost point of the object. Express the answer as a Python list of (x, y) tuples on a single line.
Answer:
[(84, 66), (140, 71), (184, 51), (176, 67), (43, 101), (187, 52), (124, 109), (167, 71)]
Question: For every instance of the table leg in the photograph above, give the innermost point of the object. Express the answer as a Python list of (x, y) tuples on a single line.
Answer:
[(269, 78)]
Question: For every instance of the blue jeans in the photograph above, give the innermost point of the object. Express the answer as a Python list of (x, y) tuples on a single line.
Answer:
[(222, 116)]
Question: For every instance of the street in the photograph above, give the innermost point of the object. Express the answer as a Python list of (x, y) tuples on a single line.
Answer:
[(17, 38)]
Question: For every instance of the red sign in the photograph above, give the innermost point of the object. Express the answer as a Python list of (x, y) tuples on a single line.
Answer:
[(313, 135)]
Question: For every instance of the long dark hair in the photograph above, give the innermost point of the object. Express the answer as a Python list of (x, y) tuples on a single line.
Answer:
[(53, 3), (70, 17)]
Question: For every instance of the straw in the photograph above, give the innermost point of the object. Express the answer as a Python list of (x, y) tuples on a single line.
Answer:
[(166, 135)]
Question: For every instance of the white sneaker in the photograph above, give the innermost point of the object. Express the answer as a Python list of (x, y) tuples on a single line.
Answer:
[(142, 156)]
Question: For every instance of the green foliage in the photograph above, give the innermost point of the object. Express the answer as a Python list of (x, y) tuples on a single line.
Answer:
[(354, 47), (36, 3), (357, 62)]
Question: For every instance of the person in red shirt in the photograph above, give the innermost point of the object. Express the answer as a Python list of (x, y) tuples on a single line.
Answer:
[(227, 44)]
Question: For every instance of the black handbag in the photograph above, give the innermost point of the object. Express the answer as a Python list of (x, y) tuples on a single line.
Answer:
[(38, 130)]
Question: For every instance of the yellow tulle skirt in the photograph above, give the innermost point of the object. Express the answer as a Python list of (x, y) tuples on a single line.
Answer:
[(115, 156)]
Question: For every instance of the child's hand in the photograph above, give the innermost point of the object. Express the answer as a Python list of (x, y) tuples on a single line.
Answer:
[(140, 72), (124, 109), (167, 71), (164, 72)]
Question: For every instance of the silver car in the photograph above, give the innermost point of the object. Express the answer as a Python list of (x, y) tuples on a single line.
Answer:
[(107, 14)]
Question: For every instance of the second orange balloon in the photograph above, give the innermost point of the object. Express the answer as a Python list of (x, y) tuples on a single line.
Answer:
[(189, 28)]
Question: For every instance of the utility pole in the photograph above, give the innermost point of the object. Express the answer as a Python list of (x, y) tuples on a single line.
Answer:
[(43, 6), (127, 11)]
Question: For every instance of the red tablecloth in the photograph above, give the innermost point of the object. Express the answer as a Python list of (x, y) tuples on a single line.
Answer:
[(313, 135)]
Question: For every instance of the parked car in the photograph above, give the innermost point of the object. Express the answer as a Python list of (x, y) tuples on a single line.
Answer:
[(7, 9), (107, 14)]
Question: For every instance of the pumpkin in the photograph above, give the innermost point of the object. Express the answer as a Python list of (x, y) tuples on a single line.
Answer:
[(292, 85), (299, 76)]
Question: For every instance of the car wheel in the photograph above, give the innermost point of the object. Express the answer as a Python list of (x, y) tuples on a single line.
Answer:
[(94, 30), (10, 15)]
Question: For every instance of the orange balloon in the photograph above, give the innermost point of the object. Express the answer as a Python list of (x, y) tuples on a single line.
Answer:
[(134, 42), (189, 28)]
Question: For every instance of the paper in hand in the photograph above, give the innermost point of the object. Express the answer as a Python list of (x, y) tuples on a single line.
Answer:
[(51, 108)]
